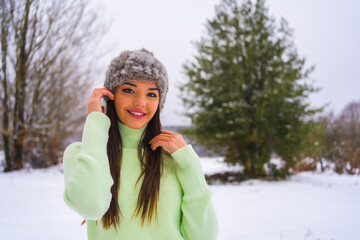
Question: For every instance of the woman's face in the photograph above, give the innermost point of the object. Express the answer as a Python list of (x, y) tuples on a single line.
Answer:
[(136, 103)]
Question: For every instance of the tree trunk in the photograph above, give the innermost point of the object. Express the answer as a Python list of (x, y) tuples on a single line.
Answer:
[(5, 21), (19, 129)]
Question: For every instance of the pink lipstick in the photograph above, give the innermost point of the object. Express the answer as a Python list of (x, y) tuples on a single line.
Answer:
[(136, 114)]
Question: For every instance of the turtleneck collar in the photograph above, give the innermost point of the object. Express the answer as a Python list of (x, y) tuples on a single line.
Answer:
[(130, 137)]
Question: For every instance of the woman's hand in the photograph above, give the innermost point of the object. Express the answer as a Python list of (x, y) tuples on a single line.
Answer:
[(169, 140), (94, 104)]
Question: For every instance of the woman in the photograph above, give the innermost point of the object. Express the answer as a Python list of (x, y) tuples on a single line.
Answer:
[(128, 178)]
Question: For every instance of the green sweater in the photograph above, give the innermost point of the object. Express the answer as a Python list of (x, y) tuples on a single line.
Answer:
[(185, 210)]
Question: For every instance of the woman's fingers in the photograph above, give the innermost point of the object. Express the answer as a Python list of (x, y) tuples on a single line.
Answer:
[(108, 93), (160, 137), (100, 92), (157, 144), (94, 103), (169, 140)]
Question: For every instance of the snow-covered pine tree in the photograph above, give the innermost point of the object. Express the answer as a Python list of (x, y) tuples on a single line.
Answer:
[(247, 88)]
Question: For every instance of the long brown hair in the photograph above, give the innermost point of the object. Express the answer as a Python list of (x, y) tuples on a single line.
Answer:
[(151, 170)]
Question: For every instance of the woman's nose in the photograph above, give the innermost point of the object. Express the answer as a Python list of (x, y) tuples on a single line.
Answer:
[(139, 101)]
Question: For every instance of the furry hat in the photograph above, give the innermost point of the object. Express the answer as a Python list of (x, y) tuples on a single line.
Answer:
[(138, 65)]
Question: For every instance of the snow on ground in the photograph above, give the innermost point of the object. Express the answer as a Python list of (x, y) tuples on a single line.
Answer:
[(216, 165), (307, 206)]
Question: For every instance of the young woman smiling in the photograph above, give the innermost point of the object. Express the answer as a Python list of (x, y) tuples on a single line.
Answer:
[(129, 178)]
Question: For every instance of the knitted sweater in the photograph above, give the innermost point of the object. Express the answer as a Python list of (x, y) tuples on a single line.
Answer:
[(185, 210)]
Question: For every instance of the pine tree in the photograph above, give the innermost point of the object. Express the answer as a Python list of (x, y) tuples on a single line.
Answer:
[(247, 88)]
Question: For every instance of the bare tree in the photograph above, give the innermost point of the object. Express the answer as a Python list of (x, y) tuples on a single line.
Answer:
[(45, 71), (348, 124), (338, 139), (5, 17)]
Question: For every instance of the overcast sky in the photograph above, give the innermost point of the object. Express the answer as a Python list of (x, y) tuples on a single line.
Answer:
[(327, 33)]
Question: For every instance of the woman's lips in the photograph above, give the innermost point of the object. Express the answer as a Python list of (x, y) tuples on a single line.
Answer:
[(136, 112)]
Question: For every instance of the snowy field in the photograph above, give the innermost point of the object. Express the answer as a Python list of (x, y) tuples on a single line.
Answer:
[(308, 206)]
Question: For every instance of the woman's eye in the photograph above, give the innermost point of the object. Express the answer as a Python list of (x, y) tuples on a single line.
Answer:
[(152, 95), (127, 90)]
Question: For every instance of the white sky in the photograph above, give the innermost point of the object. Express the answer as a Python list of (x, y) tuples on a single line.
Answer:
[(326, 33)]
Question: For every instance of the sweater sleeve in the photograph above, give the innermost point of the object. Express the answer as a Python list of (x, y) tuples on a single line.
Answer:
[(199, 220), (87, 174)]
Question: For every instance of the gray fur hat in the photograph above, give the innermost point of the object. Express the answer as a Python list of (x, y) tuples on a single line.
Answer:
[(138, 65)]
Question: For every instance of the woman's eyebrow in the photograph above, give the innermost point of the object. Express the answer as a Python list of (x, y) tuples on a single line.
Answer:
[(154, 89), (131, 84)]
